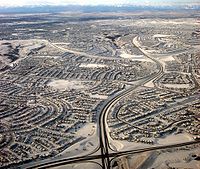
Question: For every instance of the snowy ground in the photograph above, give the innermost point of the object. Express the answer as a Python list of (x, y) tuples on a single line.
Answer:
[(135, 57), (119, 145), (161, 36), (88, 165), (92, 65), (179, 86), (67, 84), (179, 158)]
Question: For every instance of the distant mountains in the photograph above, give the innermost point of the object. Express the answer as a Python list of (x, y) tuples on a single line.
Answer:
[(100, 8)]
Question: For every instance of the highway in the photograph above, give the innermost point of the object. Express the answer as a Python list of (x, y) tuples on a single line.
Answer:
[(103, 136), (111, 155), (104, 149)]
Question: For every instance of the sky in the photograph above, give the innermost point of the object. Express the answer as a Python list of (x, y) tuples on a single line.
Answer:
[(14, 3)]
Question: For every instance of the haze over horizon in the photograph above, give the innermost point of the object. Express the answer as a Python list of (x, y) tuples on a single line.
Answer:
[(21, 3)]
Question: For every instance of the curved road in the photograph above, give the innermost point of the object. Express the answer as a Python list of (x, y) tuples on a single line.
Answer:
[(103, 135)]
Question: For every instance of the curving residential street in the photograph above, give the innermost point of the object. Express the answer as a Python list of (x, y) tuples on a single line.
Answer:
[(99, 87)]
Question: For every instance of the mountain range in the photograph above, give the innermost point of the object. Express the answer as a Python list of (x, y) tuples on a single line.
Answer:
[(86, 8)]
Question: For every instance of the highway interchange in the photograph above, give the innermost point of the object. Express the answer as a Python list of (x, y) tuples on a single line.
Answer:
[(104, 150), (108, 93)]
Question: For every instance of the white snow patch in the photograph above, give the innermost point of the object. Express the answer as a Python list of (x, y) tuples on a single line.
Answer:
[(173, 139), (134, 57), (92, 65), (161, 36), (66, 84), (182, 86), (87, 130), (98, 96)]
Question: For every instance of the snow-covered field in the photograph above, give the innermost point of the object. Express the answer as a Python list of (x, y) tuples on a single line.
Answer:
[(120, 145), (66, 84), (180, 86), (161, 36), (92, 65), (135, 57), (88, 165)]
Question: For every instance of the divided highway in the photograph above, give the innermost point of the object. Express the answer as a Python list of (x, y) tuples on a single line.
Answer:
[(104, 142), (103, 135)]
